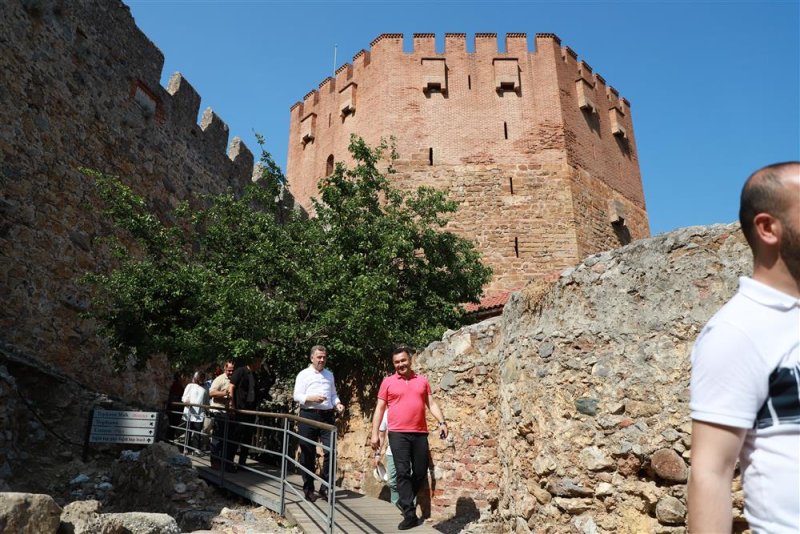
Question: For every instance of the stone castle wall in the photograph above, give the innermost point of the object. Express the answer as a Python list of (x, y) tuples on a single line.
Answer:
[(81, 89), (536, 148), (570, 413)]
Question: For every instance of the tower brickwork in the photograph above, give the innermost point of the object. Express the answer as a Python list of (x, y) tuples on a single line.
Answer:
[(535, 147)]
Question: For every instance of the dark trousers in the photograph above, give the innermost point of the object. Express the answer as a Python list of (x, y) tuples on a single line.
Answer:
[(221, 449), (193, 435), (243, 434), (410, 450), (308, 457)]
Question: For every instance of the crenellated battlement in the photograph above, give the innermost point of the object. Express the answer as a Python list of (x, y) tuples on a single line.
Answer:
[(98, 103), (387, 48)]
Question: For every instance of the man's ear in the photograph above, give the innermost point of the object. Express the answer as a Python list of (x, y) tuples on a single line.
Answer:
[(767, 228)]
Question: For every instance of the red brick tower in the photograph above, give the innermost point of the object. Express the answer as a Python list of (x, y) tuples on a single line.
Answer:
[(538, 151)]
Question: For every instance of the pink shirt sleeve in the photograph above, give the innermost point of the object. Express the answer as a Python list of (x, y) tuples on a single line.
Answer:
[(383, 392)]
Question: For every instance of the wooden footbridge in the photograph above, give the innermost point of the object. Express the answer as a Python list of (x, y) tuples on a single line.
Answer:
[(271, 478), (353, 513)]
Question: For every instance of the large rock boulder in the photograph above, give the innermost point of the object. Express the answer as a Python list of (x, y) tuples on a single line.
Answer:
[(158, 479), (79, 516), (28, 513)]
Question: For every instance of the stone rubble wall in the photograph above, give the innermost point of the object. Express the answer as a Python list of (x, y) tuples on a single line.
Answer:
[(81, 88), (570, 412)]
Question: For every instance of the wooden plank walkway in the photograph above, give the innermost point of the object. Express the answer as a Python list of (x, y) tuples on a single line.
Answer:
[(355, 513)]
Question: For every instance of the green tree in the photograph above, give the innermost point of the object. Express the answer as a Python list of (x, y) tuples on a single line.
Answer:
[(240, 277)]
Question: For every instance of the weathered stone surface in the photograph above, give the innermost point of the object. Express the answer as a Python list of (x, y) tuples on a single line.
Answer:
[(70, 99), (670, 511), (594, 459), (564, 487), (159, 479), (573, 506), (28, 513), (633, 311), (586, 406), (135, 523), (668, 465), (78, 516)]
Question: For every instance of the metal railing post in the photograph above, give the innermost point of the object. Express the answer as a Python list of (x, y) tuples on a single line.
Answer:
[(186, 434), (284, 454), (331, 484), (222, 461)]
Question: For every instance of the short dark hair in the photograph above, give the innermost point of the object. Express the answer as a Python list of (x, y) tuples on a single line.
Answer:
[(398, 349), (316, 348), (763, 193)]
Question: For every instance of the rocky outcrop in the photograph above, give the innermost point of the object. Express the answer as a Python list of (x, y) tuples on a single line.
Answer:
[(28, 513), (570, 413), (133, 522), (157, 479)]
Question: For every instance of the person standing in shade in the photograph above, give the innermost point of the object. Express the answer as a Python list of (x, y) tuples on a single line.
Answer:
[(409, 396), (194, 393), (244, 391), (315, 391), (221, 401), (745, 382)]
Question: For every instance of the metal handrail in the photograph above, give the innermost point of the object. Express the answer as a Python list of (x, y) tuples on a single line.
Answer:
[(285, 457)]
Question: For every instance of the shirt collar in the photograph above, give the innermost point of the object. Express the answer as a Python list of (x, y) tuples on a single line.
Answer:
[(766, 295), (399, 377)]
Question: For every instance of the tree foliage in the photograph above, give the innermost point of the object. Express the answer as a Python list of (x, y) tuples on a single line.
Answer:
[(240, 277)]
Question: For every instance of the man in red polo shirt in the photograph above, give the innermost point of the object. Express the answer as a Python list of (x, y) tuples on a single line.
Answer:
[(408, 395)]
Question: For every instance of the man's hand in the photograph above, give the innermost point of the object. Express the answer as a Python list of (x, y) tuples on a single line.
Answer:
[(316, 398), (340, 408), (375, 442)]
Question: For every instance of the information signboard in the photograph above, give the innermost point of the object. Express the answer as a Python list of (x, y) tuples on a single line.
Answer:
[(114, 426)]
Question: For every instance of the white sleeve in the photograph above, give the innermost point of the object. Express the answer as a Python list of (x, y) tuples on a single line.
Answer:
[(300, 386), (384, 421), (730, 379)]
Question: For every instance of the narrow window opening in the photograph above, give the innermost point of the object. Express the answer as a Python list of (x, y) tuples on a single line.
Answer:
[(505, 129), (329, 165), (430, 156), (329, 120), (516, 247), (469, 82), (511, 184)]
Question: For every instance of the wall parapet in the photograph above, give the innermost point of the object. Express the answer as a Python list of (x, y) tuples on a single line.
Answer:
[(424, 44)]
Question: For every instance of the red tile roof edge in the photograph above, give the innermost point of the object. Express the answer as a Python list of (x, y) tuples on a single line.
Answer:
[(490, 303)]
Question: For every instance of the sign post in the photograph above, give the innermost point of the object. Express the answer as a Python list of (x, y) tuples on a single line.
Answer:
[(116, 426)]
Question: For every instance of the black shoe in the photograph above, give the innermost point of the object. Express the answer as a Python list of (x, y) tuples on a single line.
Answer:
[(230, 468), (310, 497), (408, 522), (323, 493)]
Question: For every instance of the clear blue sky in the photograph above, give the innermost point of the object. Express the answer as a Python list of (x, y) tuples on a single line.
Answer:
[(714, 86)]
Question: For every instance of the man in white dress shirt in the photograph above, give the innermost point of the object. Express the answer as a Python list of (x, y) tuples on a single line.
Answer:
[(315, 391)]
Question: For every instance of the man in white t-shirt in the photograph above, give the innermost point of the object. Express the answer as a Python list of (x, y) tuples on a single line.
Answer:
[(745, 386)]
